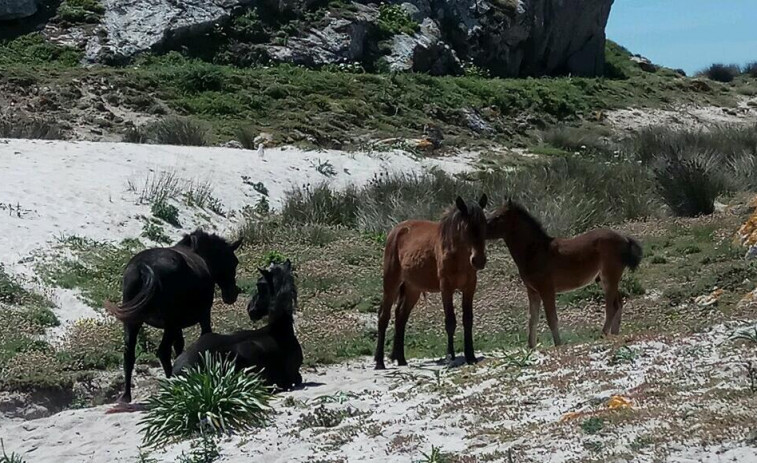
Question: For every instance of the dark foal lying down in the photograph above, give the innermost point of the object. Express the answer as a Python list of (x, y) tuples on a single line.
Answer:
[(273, 349)]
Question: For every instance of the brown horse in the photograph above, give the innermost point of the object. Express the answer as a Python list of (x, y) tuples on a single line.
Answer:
[(422, 256), (549, 265)]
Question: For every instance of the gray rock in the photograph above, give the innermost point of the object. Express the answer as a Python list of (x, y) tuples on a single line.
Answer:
[(340, 41), (751, 253), (423, 52), (644, 64), (476, 122), (15, 9), (133, 26)]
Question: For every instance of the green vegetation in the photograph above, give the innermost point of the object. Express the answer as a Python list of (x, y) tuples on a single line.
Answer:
[(165, 211), (95, 268), (12, 458), (80, 11), (32, 50), (592, 425), (393, 19), (209, 398)]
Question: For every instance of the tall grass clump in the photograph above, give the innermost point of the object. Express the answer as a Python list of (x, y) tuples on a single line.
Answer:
[(176, 130), (40, 129), (246, 137), (210, 398), (12, 458), (690, 186), (569, 195), (721, 72)]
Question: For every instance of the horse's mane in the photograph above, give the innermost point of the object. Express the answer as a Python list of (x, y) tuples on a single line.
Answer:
[(532, 221), (210, 240), (450, 222), (285, 297)]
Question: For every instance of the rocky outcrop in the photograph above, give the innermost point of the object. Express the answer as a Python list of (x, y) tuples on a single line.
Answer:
[(15, 9), (425, 51), (507, 37), (339, 41)]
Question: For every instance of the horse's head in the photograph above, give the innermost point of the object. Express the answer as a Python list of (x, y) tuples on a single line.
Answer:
[(512, 221), (467, 223), (276, 281), (220, 258)]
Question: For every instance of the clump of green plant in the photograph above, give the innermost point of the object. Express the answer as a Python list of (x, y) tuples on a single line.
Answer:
[(155, 232), (624, 354), (12, 458), (272, 257), (246, 137), (721, 72), (593, 425), (176, 130), (34, 50), (80, 11), (434, 456), (322, 417), (618, 64), (393, 19), (165, 211), (203, 450), (209, 398), (92, 344), (749, 335)]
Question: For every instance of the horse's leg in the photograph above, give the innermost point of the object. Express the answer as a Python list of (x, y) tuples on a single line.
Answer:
[(548, 298), (610, 283), (130, 346), (391, 288), (164, 350), (450, 323), (404, 307), (470, 354), (618, 313), (178, 343), (534, 304), (205, 326)]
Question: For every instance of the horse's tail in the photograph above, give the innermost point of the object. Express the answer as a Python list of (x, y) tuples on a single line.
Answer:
[(632, 253), (131, 310)]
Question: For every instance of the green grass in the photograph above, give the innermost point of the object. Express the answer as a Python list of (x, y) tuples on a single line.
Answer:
[(80, 11), (30, 51), (96, 268), (328, 107)]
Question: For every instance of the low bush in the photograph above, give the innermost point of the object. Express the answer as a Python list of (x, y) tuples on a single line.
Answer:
[(176, 130), (721, 72), (40, 129)]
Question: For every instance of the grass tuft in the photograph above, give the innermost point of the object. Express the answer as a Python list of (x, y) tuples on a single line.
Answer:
[(211, 397)]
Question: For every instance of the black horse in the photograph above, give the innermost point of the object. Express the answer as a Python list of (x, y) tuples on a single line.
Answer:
[(273, 349), (172, 288)]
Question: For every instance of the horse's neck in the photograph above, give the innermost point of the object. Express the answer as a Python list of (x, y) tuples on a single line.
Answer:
[(195, 261), (524, 240), (282, 320)]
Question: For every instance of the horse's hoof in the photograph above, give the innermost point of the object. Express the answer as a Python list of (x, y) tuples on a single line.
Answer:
[(124, 398), (401, 363), (471, 361), (380, 366)]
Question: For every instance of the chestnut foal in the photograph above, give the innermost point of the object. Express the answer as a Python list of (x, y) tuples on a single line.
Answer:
[(549, 265)]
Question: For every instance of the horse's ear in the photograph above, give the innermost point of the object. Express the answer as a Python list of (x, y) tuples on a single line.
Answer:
[(288, 265), (461, 205), (264, 272), (483, 201), (191, 241), (235, 245), (509, 202)]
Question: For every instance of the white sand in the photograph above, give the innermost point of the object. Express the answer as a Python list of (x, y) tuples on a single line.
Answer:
[(404, 412), (55, 189)]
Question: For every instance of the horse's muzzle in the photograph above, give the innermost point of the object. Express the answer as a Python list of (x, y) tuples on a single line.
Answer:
[(478, 261), (230, 296)]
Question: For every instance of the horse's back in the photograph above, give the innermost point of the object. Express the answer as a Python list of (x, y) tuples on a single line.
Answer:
[(212, 343), (578, 261)]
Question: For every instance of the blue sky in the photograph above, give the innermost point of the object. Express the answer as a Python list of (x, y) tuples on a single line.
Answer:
[(687, 34)]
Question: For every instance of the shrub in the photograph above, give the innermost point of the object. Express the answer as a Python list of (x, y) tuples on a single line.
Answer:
[(618, 63), (592, 425), (750, 69), (31, 128), (92, 344), (721, 72), (690, 186), (246, 137), (34, 369), (34, 50), (210, 397), (180, 131), (166, 212), (393, 19), (80, 11)]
